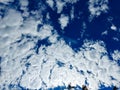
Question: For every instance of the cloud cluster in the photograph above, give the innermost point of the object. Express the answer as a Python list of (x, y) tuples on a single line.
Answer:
[(116, 55), (34, 71), (96, 7), (26, 63)]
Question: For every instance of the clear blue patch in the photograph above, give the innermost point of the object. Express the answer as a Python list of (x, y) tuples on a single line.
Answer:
[(118, 62), (60, 64), (34, 5), (71, 67), (102, 87), (40, 43), (13, 87), (58, 88), (27, 64), (81, 72)]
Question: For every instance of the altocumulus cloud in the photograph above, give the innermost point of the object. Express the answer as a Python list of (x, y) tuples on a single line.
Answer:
[(25, 63)]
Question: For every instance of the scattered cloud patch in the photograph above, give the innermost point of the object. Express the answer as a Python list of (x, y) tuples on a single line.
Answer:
[(116, 39), (60, 4), (45, 31), (11, 19), (24, 7), (24, 3), (50, 3), (44, 72), (56, 64), (63, 20), (71, 1), (113, 27), (105, 32), (72, 13), (116, 55), (96, 7)]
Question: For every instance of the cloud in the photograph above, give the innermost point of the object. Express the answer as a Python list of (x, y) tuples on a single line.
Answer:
[(96, 7), (22, 67), (71, 1), (24, 3), (50, 3), (11, 19), (59, 5), (116, 55), (63, 20), (6, 1), (113, 27), (44, 71)]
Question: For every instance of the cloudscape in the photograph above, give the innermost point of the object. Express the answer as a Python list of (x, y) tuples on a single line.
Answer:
[(48, 44)]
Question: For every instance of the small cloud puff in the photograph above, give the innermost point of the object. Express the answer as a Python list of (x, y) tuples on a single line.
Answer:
[(63, 20)]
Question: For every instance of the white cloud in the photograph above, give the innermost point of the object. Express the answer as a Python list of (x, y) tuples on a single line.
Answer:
[(23, 6), (21, 64), (45, 31), (92, 57), (96, 7), (24, 3), (11, 19), (113, 27), (59, 5), (31, 79), (53, 38), (116, 55), (63, 20), (104, 33), (72, 13), (50, 3)]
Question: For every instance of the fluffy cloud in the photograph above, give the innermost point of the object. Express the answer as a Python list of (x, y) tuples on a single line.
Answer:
[(116, 55), (50, 3), (11, 19), (34, 71), (63, 20), (96, 7), (22, 66), (59, 5)]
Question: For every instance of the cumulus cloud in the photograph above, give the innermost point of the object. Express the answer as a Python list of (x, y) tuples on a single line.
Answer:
[(34, 71), (72, 13), (96, 7), (63, 20), (116, 55), (113, 27), (21, 66), (23, 6), (71, 1), (50, 3), (59, 5), (24, 3), (11, 19)]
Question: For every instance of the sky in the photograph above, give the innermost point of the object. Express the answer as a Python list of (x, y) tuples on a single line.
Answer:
[(48, 44)]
